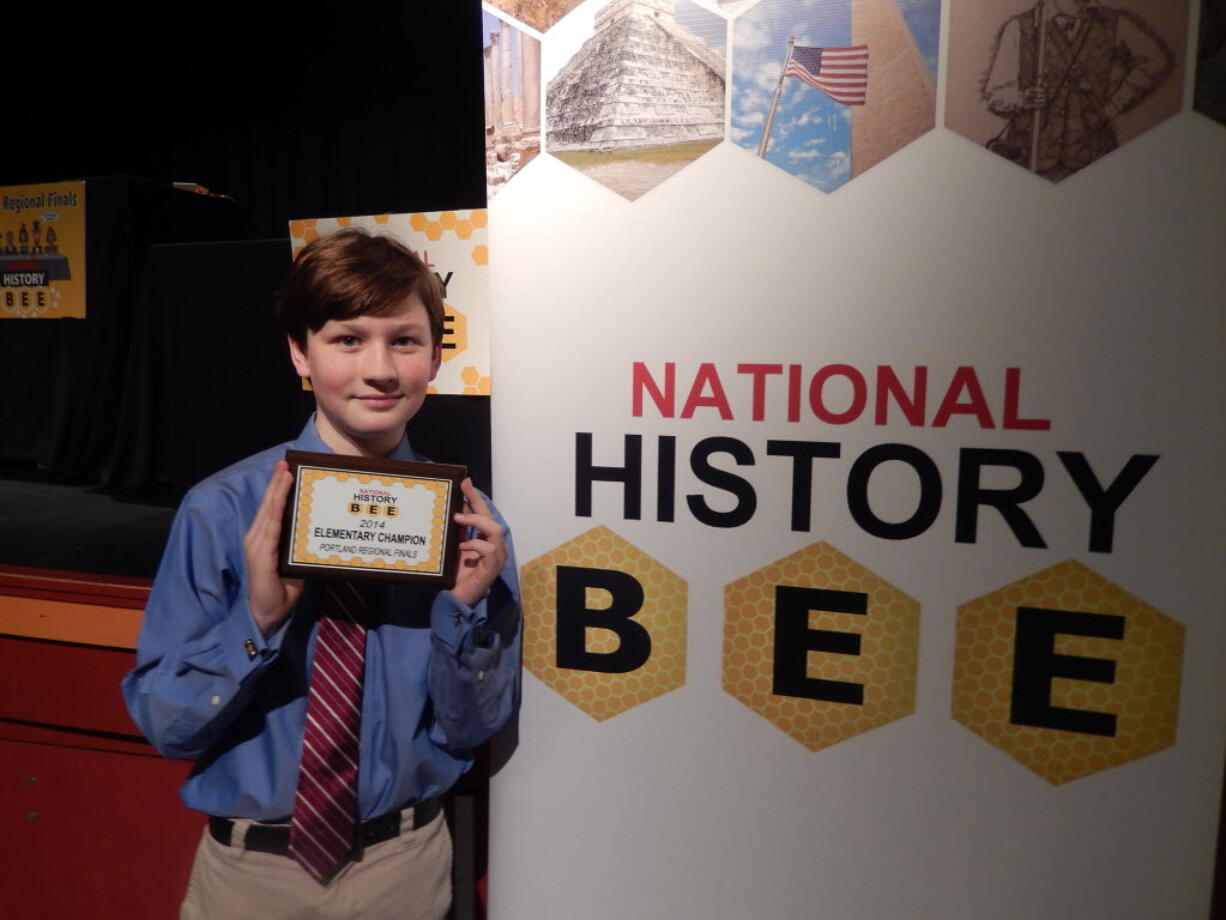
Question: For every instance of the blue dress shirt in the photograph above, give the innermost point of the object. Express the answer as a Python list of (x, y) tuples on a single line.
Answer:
[(440, 676)]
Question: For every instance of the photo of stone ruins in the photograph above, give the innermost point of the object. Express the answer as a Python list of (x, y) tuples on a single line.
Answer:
[(512, 101), (540, 14), (641, 99)]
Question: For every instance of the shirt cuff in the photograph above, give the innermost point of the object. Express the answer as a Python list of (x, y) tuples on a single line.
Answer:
[(451, 619), (246, 648)]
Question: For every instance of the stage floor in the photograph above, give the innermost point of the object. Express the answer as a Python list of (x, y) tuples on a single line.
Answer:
[(71, 528)]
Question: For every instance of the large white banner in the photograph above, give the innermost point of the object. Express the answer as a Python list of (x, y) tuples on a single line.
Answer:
[(869, 521)]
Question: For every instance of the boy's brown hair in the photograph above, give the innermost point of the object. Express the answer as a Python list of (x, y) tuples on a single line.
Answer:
[(352, 273)]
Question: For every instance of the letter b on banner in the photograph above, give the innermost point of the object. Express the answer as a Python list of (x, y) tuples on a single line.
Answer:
[(604, 623), (576, 617)]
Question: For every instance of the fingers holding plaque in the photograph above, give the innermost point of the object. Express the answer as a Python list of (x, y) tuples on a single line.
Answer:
[(357, 517)]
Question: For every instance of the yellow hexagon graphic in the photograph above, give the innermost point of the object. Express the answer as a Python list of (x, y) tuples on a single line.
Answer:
[(1068, 673), (481, 255), (464, 229), (447, 220), (478, 217), (455, 332), (474, 383), (604, 623), (418, 221), (820, 646)]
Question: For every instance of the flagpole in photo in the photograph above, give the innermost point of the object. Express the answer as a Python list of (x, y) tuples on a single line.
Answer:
[(1037, 126), (770, 115), (840, 73)]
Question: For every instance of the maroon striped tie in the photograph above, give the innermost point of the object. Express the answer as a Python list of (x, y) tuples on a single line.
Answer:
[(323, 825)]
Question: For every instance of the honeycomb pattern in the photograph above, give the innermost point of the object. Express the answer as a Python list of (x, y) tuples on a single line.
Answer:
[(481, 255), (886, 665), (302, 232), (434, 226), (474, 383), (663, 615), (1144, 695), (455, 333)]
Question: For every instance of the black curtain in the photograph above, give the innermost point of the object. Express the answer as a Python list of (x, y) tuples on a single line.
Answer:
[(332, 109)]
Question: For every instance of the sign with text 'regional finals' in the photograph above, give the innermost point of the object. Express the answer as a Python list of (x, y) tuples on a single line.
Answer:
[(864, 484), (42, 251)]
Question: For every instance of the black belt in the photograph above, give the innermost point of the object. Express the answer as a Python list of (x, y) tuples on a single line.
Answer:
[(274, 838)]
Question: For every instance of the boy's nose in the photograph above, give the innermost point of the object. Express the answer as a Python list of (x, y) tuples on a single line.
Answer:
[(378, 365)]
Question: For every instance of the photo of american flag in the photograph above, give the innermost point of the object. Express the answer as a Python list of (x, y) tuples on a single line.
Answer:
[(840, 73), (800, 97)]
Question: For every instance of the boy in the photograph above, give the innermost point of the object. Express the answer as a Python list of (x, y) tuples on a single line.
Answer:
[(226, 666)]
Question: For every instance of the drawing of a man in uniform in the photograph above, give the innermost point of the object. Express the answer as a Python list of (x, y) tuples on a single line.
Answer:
[(1061, 73)]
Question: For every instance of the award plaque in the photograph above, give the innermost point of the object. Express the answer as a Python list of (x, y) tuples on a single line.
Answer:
[(359, 517)]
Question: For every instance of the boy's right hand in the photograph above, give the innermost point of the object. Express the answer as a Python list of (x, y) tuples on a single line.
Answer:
[(271, 597)]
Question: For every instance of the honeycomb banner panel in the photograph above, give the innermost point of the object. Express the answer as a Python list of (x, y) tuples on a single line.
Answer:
[(851, 393)]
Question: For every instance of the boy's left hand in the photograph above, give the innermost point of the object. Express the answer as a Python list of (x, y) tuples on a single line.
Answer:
[(482, 556)]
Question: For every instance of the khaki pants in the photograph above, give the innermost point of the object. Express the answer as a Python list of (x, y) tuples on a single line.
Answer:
[(407, 878)]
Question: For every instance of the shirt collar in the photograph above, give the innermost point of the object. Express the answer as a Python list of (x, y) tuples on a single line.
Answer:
[(311, 441)]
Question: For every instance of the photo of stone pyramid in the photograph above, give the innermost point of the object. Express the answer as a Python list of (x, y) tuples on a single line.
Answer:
[(644, 95)]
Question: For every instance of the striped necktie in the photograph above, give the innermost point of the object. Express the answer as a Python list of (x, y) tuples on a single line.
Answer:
[(325, 816)]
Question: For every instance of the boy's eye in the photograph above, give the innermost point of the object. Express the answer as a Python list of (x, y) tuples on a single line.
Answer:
[(348, 341), (405, 341)]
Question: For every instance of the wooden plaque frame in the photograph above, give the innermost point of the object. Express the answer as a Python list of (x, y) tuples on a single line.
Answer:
[(362, 517)]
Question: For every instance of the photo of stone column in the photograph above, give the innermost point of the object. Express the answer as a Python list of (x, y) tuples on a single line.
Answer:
[(540, 14), (1053, 85), (512, 100), (1210, 96), (826, 89), (642, 97)]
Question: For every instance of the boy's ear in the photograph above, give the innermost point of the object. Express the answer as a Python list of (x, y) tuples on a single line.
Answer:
[(298, 356), (436, 360)]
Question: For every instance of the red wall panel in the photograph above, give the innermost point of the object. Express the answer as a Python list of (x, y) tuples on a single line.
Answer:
[(92, 834)]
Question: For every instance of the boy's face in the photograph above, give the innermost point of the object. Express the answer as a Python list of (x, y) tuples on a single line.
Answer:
[(369, 375)]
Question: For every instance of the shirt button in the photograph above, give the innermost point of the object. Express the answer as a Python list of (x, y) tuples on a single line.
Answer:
[(480, 675), (457, 618), (216, 700)]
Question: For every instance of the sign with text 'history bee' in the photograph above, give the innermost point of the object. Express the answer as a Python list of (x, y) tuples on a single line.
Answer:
[(42, 251)]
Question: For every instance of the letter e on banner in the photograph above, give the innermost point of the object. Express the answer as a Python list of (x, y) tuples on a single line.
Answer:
[(1068, 673), (604, 623), (820, 646)]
